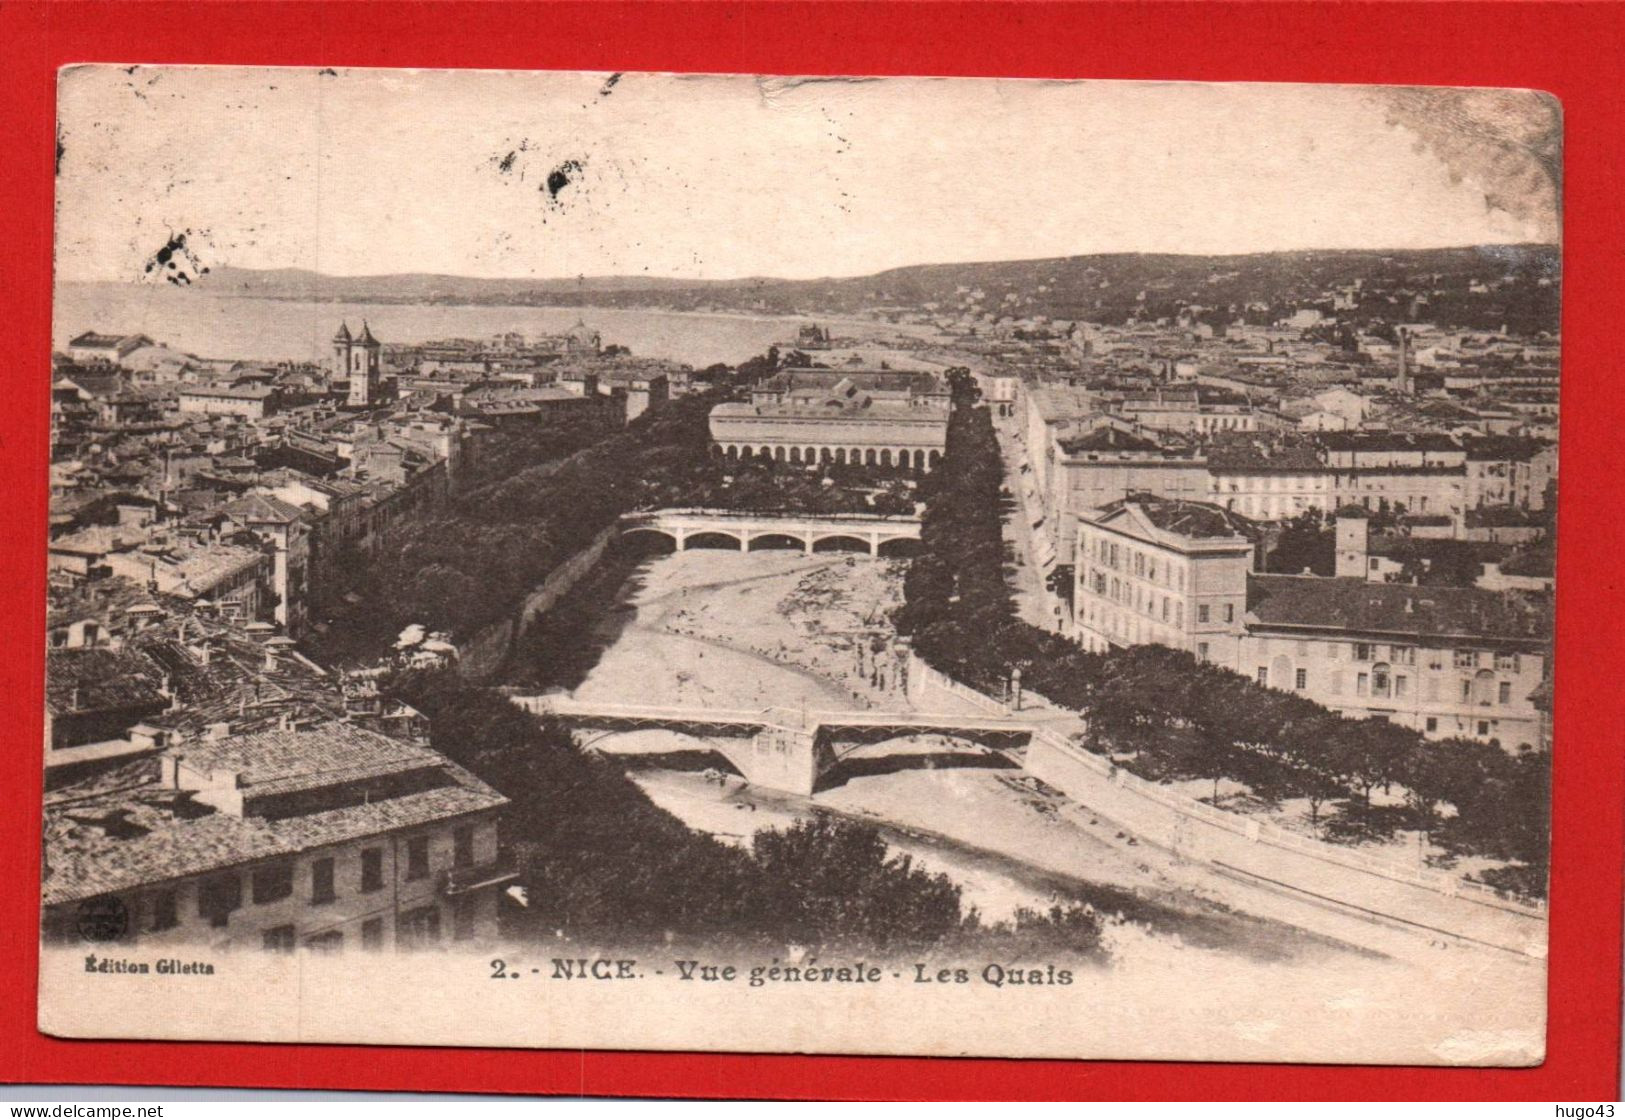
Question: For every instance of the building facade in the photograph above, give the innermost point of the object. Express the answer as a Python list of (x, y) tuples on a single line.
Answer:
[(327, 839), (849, 426), (1449, 662), (1159, 571)]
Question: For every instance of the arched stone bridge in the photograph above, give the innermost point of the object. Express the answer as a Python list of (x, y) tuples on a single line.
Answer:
[(781, 748), (876, 535)]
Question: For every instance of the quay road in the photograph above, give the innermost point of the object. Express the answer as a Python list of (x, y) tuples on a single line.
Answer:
[(1035, 603)]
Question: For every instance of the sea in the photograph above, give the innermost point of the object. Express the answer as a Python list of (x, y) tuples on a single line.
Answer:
[(209, 325)]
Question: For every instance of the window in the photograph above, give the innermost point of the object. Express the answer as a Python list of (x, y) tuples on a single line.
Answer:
[(372, 869), (218, 897), (1466, 691), (1201, 612), (464, 916), (463, 846), (1506, 662), (330, 942), (1230, 612), (1505, 693), (321, 881), (1264, 675), (1165, 608), (1363, 651), (1301, 680), (1432, 724), (1362, 684), (1380, 683), (1402, 687), (372, 934), (1466, 659), (1303, 649), (417, 857), (273, 883), (1201, 651), (418, 928), (1404, 655), (164, 911), (278, 939), (1483, 727)]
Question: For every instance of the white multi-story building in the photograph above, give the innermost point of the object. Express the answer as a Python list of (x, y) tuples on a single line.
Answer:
[(1156, 570)]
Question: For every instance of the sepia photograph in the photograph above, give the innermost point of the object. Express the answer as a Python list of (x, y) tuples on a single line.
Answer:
[(920, 566)]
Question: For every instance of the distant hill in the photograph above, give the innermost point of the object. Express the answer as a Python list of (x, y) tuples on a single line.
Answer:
[(1479, 287)]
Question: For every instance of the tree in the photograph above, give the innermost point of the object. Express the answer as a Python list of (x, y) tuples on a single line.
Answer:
[(832, 879), (1370, 752), (1306, 543)]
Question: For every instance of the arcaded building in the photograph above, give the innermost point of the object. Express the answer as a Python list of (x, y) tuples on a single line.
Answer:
[(880, 418)]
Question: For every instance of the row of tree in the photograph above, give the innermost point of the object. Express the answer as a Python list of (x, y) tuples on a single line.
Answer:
[(1169, 716)]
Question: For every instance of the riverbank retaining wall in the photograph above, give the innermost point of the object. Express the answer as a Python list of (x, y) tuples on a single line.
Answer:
[(1427, 901), (481, 656)]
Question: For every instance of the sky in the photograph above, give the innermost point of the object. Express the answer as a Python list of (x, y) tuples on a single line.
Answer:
[(558, 175)]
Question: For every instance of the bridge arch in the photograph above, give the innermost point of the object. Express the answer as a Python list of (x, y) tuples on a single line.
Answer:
[(762, 542), (646, 538), (841, 542), (687, 751), (890, 752), (899, 547), (713, 538)]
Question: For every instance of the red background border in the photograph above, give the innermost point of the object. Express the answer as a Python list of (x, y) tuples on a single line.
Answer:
[(1571, 50)]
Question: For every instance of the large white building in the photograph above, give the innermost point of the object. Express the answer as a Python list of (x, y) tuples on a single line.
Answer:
[(1165, 572), (890, 418), (1447, 661)]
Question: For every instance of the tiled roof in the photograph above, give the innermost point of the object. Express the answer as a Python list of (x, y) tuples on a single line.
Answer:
[(262, 507), (1388, 441), (1516, 449), (1188, 519), (1107, 438), (234, 392), (123, 840), (1255, 455), (1355, 604), (98, 679), (279, 760)]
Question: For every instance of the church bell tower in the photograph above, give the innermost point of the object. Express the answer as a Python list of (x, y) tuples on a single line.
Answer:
[(358, 359)]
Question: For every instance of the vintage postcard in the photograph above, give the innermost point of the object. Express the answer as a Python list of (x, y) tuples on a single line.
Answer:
[(873, 566)]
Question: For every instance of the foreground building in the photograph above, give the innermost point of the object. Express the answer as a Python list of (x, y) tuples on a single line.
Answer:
[(327, 838), (1447, 661)]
